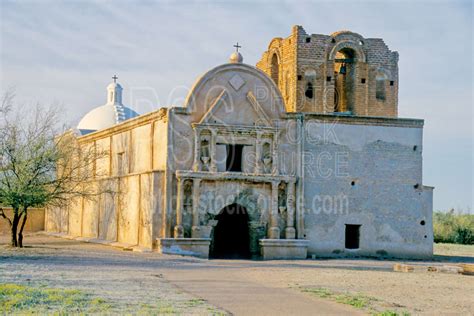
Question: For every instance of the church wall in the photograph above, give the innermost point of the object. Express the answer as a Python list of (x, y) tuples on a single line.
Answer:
[(368, 175), (182, 150), (74, 213), (288, 147), (108, 215), (160, 144), (158, 205), (120, 153), (146, 211), (102, 164), (129, 151), (90, 216), (129, 210), (140, 152)]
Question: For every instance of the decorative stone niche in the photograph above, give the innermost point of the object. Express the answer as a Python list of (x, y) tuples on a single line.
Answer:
[(267, 157), (205, 150)]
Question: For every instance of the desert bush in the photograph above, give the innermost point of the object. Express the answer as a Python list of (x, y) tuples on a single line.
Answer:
[(452, 227)]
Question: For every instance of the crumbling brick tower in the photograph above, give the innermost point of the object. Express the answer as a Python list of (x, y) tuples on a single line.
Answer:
[(338, 73)]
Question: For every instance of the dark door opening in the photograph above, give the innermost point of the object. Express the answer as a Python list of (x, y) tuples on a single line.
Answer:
[(352, 236), (231, 234), (234, 158)]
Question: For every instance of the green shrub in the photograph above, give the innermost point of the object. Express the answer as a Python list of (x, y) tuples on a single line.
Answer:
[(451, 227)]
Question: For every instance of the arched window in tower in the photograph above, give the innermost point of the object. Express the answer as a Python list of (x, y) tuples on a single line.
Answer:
[(309, 92), (380, 86), (344, 80), (275, 69)]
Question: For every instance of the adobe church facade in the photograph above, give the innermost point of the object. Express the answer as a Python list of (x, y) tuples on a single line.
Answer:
[(302, 155)]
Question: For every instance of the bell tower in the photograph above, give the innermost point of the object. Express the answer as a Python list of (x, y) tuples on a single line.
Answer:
[(341, 74)]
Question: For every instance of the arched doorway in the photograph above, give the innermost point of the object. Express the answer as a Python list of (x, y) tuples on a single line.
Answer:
[(231, 234)]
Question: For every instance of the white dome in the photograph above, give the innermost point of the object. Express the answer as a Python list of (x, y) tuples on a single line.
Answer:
[(105, 116)]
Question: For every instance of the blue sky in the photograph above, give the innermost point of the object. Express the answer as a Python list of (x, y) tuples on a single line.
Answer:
[(66, 52)]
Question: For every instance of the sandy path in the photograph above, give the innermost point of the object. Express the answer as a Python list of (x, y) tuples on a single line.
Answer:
[(230, 289)]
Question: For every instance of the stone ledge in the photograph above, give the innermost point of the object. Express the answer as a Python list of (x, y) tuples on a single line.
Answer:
[(272, 249), (359, 120), (196, 247)]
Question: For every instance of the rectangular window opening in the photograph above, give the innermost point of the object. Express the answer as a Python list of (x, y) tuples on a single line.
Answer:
[(391, 83), (308, 40), (234, 158), (352, 236), (362, 80), (328, 78)]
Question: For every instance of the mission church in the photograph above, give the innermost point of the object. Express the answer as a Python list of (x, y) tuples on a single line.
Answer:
[(303, 155)]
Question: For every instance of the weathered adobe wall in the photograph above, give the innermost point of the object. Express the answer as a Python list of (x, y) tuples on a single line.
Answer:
[(34, 222), (134, 164), (362, 173), (136, 211)]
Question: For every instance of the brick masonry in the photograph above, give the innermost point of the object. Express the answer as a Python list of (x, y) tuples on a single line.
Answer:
[(303, 59)]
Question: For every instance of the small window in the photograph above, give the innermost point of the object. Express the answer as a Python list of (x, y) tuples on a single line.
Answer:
[(328, 78), (309, 90), (352, 236), (234, 158), (391, 82), (308, 40), (300, 77), (362, 80)]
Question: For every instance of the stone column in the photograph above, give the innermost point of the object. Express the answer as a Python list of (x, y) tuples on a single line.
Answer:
[(195, 231), (212, 145), (197, 146), (274, 231), (290, 231), (178, 229), (258, 154), (275, 154)]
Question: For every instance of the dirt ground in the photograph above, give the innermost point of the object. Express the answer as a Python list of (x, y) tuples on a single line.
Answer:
[(178, 284)]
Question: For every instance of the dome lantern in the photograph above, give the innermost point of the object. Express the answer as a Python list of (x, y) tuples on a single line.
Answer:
[(105, 116), (236, 57)]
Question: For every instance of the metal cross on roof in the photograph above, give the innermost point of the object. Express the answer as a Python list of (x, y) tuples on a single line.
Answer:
[(115, 78), (237, 46)]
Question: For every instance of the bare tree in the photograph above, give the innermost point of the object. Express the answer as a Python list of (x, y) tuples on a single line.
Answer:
[(41, 165)]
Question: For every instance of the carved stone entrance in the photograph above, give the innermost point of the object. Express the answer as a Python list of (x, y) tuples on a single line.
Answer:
[(231, 234)]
